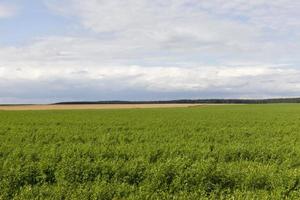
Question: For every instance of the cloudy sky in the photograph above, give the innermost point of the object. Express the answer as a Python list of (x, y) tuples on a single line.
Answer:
[(70, 50)]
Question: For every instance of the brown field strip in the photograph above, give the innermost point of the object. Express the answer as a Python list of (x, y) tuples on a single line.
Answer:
[(93, 106)]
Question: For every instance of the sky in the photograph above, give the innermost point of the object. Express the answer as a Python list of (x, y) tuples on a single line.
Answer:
[(89, 50)]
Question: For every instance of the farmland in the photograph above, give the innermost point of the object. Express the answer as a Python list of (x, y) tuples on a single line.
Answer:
[(204, 152), (92, 106)]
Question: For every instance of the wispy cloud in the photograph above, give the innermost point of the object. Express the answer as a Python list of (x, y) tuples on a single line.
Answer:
[(219, 30), (7, 10)]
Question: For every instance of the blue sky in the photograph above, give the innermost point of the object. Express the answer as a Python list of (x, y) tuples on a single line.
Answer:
[(30, 20), (64, 50)]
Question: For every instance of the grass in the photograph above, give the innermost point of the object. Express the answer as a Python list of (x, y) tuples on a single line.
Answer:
[(213, 152)]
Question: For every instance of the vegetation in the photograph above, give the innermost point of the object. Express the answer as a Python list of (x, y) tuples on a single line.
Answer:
[(205, 152), (195, 101)]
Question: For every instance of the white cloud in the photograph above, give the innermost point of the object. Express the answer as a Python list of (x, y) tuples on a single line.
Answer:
[(142, 49), (169, 24), (65, 82), (68, 69), (168, 15), (7, 11), (279, 15), (217, 29)]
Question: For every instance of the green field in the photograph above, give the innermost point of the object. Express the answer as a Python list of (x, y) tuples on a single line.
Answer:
[(212, 152)]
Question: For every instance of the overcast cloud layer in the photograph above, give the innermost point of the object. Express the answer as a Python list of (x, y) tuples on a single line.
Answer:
[(148, 50)]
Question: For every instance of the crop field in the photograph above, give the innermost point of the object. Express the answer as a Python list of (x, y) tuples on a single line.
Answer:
[(205, 152)]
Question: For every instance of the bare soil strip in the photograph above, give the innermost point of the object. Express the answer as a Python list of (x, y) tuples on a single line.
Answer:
[(94, 106)]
